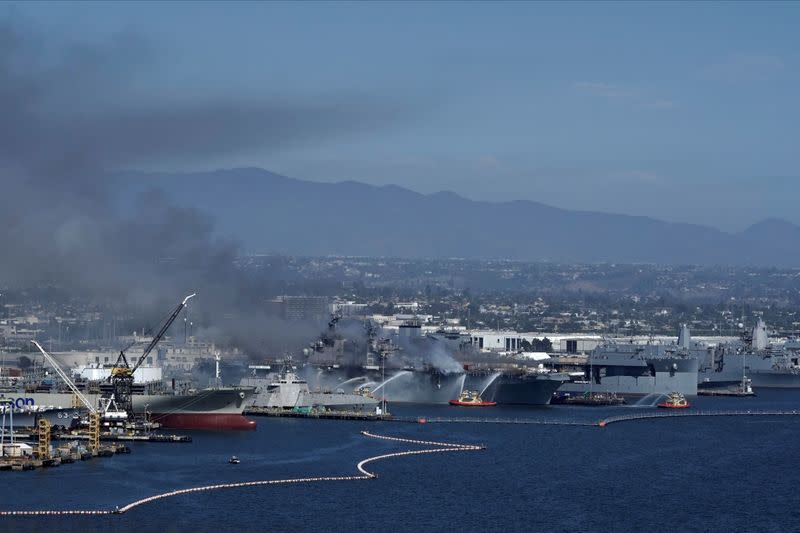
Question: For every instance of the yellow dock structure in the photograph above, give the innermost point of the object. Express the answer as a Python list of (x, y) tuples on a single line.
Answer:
[(43, 435), (94, 432)]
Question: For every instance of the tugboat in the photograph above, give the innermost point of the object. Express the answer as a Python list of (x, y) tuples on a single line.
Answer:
[(469, 398), (364, 391), (234, 460), (675, 400)]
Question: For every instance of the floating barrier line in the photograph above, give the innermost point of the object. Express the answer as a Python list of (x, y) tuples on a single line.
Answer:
[(684, 414), (441, 447), (476, 420)]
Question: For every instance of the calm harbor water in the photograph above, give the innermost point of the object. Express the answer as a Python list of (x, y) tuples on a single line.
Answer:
[(690, 474)]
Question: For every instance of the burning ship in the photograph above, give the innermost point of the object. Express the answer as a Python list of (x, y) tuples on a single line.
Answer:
[(513, 385), (416, 368), (407, 369)]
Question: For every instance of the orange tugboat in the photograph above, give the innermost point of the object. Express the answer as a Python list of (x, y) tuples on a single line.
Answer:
[(675, 400), (469, 398)]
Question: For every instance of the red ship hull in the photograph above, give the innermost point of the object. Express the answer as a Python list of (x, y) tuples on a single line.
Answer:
[(203, 421), (670, 406), (472, 404)]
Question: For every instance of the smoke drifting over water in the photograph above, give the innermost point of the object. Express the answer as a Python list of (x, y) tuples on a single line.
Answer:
[(70, 119)]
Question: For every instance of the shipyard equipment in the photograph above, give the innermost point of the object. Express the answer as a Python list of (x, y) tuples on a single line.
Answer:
[(122, 372), (7, 406), (63, 375), (106, 409), (43, 436)]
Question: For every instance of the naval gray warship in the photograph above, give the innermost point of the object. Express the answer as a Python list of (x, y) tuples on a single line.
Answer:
[(630, 369), (766, 364), (515, 385), (286, 390)]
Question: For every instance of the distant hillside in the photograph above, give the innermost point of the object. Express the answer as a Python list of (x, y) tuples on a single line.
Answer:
[(272, 213)]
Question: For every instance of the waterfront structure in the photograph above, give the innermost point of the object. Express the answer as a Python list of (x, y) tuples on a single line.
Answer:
[(286, 390)]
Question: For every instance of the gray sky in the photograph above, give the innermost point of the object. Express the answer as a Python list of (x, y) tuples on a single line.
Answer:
[(681, 111)]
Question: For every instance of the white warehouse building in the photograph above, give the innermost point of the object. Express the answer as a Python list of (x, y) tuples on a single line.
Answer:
[(511, 341)]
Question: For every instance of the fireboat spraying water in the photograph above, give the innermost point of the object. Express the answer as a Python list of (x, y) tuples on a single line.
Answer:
[(469, 398)]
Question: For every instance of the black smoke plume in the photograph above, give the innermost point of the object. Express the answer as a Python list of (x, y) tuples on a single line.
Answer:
[(72, 114)]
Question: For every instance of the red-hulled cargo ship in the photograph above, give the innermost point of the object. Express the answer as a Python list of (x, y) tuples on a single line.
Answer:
[(203, 421), (211, 408)]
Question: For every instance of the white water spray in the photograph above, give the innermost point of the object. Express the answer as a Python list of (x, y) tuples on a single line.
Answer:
[(399, 374), (489, 382), (461, 385), (649, 400), (352, 380)]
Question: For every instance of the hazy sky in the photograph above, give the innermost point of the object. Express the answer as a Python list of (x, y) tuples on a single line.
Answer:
[(686, 112)]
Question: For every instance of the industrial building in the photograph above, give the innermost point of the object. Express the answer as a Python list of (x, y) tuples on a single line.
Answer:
[(299, 307)]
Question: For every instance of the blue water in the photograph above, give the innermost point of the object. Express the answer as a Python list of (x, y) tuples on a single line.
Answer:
[(689, 474)]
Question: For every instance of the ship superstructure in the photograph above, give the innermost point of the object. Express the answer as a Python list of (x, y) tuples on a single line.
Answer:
[(406, 368), (753, 357), (636, 370), (287, 390)]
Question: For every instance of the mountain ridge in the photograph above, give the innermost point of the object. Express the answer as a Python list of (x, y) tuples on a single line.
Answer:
[(270, 212)]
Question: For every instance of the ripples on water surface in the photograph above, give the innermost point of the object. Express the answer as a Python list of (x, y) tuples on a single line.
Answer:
[(698, 474)]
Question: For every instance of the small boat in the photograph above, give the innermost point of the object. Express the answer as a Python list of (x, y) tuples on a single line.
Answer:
[(675, 400), (234, 460), (471, 399), (588, 398), (364, 391)]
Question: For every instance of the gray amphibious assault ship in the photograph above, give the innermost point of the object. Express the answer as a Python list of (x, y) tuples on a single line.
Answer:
[(633, 369)]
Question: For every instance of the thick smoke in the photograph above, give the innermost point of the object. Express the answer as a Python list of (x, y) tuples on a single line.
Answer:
[(430, 352), (70, 118)]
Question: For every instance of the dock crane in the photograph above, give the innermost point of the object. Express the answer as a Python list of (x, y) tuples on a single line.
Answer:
[(122, 372), (106, 409), (66, 379)]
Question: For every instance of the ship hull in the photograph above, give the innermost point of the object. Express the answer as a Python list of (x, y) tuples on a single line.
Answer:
[(667, 375), (400, 386), (211, 421), (765, 378), (516, 389), (292, 395), (217, 408), (774, 380), (420, 387), (56, 417), (341, 401)]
